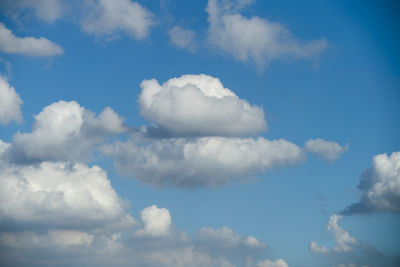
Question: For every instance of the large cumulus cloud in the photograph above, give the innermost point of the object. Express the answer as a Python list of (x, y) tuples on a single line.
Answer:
[(379, 186), (199, 105), (206, 161), (63, 131)]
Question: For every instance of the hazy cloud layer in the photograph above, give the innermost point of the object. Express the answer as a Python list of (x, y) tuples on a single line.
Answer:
[(183, 38), (227, 238), (47, 10), (10, 103), (103, 17), (351, 264), (269, 263), (207, 161), (29, 46), (255, 39), (344, 242), (63, 131), (379, 186), (199, 105), (328, 150)]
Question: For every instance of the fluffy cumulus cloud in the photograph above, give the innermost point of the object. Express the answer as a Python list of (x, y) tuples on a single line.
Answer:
[(56, 206), (206, 161), (103, 17), (379, 186), (254, 39), (270, 263), (63, 131), (10, 103), (326, 149), (344, 241), (182, 38), (30, 46), (156, 222), (99, 239), (199, 105), (58, 195)]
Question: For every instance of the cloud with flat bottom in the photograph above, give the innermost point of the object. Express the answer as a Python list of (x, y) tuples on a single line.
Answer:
[(199, 162), (29, 46), (199, 105), (63, 131)]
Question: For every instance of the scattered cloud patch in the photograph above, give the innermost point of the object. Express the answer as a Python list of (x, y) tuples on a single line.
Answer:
[(206, 161), (344, 241), (351, 264), (183, 38), (47, 10), (10, 103), (227, 238), (270, 263), (379, 186), (255, 39), (107, 18), (199, 105), (29, 46), (327, 150), (186, 256), (63, 131)]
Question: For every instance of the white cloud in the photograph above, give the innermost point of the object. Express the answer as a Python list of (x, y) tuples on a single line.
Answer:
[(110, 17), (253, 242), (254, 39), (199, 105), (59, 196), (63, 131), (269, 263), (326, 149), (157, 222), (182, 38), (226, 237), (314, 247), (344, 241), (10, 103), (30, 46), (379, 186), (206, 161), (59, 238), (186, 256), (48, 10)]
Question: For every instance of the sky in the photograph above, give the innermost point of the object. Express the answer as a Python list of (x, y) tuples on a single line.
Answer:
[(199, 133)]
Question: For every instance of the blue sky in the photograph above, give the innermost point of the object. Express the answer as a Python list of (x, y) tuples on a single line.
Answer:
[(199, 133)]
